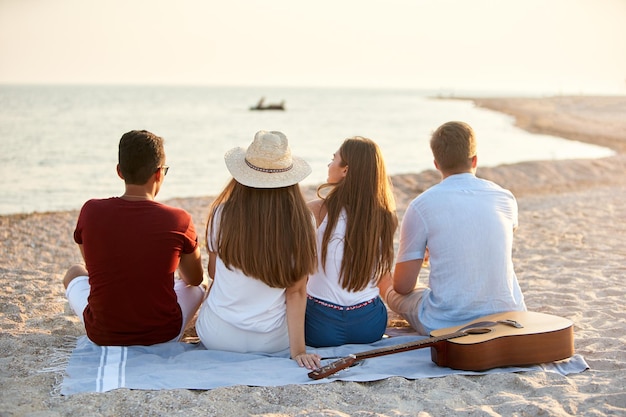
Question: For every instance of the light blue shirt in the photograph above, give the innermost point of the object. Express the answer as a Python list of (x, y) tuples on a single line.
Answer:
[(467, 223)]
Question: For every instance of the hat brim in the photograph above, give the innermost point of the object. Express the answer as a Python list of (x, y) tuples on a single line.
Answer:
[(243, 174)]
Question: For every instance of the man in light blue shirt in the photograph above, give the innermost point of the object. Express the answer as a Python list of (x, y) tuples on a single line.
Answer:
[(467, 224)]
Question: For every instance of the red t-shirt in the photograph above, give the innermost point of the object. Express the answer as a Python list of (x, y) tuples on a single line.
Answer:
[(132, 250)]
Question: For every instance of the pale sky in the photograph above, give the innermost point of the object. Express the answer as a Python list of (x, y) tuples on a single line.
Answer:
[(546, 46)]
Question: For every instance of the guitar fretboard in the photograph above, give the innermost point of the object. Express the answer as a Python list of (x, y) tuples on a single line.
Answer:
[(408, 346)]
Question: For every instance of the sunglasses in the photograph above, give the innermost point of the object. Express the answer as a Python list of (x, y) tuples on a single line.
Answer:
[(164, 167)]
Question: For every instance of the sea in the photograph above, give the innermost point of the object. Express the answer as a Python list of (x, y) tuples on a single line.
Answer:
[(58, 143)]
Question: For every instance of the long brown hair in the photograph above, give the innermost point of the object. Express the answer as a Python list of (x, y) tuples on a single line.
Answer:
[(267, 233), (366, 195)]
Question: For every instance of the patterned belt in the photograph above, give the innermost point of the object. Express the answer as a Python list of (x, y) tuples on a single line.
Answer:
[(338, 307)]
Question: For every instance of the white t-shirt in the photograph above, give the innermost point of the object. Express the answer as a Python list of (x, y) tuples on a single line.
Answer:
[(467, 223), (324, 284)]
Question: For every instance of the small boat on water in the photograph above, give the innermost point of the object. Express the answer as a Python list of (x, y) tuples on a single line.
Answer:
[(272, 106)]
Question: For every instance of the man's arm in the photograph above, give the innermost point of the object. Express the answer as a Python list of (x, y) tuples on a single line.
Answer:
[(190, 267), (405, 275), (82, 252), (75, 270)]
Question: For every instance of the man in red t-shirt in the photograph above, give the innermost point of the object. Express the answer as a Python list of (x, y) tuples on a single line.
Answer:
[(126, 293)]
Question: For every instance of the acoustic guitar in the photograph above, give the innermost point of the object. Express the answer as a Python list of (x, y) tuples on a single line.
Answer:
[(514, 338)]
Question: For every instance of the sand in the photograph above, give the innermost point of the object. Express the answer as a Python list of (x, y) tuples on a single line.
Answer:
[(569, 254)]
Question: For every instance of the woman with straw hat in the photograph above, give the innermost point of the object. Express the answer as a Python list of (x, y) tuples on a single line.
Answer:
[(261, 244)]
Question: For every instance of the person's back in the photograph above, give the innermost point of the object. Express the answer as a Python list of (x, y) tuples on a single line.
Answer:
[(469, 223), (131, 248), (466, 224), (237, 297), (126, 293), (325, 283)]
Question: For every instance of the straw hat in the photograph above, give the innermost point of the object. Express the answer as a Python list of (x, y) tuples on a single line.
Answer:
[(267, 163)]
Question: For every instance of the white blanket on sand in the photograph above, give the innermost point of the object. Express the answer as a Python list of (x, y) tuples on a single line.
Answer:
[(94, 368)]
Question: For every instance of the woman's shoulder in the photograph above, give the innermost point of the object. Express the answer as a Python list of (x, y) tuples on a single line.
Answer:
[(318, 208)]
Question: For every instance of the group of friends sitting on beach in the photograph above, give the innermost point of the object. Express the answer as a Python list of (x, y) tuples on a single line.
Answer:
[(287, 274)]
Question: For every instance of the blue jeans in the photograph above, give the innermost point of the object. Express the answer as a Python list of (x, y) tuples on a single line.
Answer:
[(328, 324)]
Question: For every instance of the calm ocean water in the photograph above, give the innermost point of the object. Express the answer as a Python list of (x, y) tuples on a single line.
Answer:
[(58, 144)]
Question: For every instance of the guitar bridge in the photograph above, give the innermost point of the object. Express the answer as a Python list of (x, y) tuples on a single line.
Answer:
[(511, 323)]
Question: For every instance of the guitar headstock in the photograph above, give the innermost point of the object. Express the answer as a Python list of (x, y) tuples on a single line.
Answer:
[(332, 367)]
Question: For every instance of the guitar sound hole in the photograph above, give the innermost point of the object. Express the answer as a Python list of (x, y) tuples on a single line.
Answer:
[(478, 330)]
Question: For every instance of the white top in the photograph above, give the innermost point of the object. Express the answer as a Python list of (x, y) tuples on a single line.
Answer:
[(467, 224), (244, 302), (324, 284)]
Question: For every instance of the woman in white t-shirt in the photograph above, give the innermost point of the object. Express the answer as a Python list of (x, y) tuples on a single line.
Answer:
[(261, 244), (356, 223)]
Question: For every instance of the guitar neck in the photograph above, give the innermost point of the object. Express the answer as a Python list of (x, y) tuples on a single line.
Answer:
[(407, 346), (347, 361)]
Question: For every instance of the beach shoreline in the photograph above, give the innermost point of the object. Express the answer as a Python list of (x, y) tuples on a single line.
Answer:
[(569, 256)]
